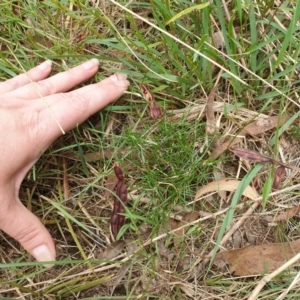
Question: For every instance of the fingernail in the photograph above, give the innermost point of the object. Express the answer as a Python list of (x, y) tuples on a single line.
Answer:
[(45, 65), (120, 80), (91, 64), (43, 253)]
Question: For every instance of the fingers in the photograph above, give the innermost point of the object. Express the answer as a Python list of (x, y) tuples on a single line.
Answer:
[(75, 107), (38, 73), (58, 83), (27, 229)]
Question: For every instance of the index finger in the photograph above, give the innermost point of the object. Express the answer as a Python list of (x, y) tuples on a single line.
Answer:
[(73, 108), (58, 83), (35, 74)]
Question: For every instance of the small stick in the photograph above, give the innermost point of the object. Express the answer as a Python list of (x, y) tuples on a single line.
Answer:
[(269, 277)]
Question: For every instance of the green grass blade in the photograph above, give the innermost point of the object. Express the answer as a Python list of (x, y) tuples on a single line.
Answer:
[(289, 38), (187, 11), (235, 199)]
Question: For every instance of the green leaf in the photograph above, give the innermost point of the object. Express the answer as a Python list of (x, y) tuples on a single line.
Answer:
[(289, 37), (187, 11)]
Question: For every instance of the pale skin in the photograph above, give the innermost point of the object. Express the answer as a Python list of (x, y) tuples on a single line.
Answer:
[(28, 128)]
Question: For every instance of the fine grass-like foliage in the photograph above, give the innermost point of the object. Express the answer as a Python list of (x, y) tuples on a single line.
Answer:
[(180, 50)]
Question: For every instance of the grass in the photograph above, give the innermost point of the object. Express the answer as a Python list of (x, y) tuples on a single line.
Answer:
[(165, 160)]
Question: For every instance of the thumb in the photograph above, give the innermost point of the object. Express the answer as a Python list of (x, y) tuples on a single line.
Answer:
[(27, 229)]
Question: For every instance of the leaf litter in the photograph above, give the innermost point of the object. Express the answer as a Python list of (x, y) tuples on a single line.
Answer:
[(260, 125), (284, 216), (257, 260), (256, 127)]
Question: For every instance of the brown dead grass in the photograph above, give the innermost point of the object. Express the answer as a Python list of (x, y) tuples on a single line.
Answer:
[(145, 265)]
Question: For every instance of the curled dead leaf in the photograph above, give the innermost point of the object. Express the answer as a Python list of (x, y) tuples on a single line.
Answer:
[(251, 155), (257, 157), (279, 173), (155, 110), (229, 185), (148, 96)]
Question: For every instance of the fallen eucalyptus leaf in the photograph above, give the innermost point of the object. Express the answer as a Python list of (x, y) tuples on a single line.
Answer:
[(229, 185), (257, 260)]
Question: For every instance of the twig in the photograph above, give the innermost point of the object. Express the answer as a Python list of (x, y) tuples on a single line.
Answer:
[(294, 282), (269, 277)]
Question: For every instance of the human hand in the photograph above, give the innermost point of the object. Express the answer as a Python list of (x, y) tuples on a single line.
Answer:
[(28, 127)]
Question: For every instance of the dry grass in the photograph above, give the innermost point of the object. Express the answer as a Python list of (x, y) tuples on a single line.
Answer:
[(167, 160)]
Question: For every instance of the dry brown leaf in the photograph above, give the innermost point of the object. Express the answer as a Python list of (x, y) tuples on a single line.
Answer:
[(257, 127), (148, 96), (211, 127), (229, 185), (173, 223), (112, 250), (262, 125), (256, 260), (286, 215), (179, 234), (155, 110), (251, 155), (110, 184)]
